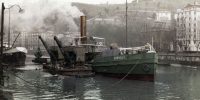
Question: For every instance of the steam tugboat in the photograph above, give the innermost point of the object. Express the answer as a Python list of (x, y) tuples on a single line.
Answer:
[(65, 60), (72, 59), (134, 63), (131, 62)]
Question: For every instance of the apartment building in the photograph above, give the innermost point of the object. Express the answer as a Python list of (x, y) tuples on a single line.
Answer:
[(187, 31)]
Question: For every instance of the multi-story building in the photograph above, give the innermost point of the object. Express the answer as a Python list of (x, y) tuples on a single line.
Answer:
[(187, 23), (31, 40), (163, 30)]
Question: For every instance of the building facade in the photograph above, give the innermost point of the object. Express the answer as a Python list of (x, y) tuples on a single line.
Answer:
[(31, 40), (187, 31), (163, 16)]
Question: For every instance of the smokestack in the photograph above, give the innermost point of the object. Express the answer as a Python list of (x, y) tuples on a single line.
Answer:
[(83, 29)]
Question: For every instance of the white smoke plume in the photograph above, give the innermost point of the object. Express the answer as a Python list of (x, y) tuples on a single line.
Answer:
[(65, 40), (44, 15)]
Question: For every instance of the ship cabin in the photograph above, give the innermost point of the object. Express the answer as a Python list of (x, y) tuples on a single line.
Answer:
[(93, 46), (134, 50)]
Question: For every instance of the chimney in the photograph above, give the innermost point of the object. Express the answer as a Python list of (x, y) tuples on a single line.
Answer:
[(83, 31)]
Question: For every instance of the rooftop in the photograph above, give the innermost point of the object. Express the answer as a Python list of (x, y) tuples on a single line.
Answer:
[(196, 4)]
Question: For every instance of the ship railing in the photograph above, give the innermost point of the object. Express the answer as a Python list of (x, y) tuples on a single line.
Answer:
[(92, 45), (134, 50), (90, 40)]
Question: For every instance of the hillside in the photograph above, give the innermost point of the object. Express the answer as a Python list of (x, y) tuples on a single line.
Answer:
[(91, 10), (137, 22)]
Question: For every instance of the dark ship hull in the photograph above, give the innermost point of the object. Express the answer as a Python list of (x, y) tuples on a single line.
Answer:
[(40, 60), (133, 63), (15, 56), (136, 66)]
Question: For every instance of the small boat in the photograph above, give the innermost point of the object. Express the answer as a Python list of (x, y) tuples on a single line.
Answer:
[(135, 63), (15, 56), (39, 58)]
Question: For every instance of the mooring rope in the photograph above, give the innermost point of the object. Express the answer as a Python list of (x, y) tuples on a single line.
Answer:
[(126, 74)]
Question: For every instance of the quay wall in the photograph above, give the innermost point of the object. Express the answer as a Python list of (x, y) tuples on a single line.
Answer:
[(184, 58)]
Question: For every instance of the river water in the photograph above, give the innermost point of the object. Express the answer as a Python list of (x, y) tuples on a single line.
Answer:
[(172, 83)]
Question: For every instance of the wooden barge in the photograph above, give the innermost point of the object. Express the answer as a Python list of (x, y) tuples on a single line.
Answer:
[(77, 71)]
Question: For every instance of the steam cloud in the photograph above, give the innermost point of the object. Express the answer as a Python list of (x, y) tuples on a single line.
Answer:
[(45, 15)]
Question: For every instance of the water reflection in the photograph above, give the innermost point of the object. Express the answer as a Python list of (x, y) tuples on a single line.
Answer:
[(177, 83), (172, 83), (102, 88)]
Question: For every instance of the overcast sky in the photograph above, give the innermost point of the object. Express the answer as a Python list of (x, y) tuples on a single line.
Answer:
[(81, 1), (101, 1)]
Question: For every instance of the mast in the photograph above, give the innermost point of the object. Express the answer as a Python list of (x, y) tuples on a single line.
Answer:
[(1, 49), (126, 22)]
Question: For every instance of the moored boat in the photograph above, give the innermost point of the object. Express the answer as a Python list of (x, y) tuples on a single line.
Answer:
[(15, 56), (39, 58), (136, 63)]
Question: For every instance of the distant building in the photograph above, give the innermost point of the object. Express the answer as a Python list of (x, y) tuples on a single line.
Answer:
[(112, 21), (163, 15), (31, 40), (163, 19), (163, 30), (187, 23)]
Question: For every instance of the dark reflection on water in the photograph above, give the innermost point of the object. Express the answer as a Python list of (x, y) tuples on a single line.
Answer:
[(172, 83)]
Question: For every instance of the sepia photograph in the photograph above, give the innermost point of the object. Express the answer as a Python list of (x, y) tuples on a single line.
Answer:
[(99, 50)]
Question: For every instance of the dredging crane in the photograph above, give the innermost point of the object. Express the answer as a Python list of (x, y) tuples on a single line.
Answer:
[(68, 53), (52, 56)]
